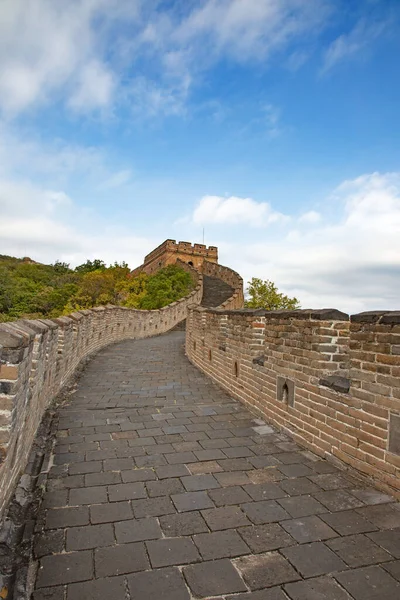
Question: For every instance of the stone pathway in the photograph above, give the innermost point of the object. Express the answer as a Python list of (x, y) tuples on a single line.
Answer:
[(164, 488)]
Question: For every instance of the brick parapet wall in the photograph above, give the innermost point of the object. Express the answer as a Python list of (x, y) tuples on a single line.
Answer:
[(38, 357), (330, 382), (231, 278)]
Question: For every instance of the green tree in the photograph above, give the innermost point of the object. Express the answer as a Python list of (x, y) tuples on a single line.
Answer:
[(265, 294), (91, 265)]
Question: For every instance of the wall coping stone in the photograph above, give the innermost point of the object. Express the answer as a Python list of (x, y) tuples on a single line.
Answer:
[(384, 317), (323, 314)]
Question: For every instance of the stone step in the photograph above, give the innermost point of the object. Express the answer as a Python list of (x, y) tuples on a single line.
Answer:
[(215, 291)]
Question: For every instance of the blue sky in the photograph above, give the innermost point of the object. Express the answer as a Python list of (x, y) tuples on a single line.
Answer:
[(273, 124)]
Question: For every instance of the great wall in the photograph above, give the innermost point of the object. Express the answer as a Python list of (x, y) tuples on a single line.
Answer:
[(327, 381)]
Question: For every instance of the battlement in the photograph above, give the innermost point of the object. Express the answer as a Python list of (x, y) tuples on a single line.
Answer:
[(170, 251)]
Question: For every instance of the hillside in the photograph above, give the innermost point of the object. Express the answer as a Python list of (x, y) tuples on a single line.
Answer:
[(33, 290)]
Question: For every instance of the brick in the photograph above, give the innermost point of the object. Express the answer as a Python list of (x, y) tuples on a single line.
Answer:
[(265, 570), (213, 578), (92, 590), (363, 583), (266, 511), (137, 530), (324, 587), (263, 538), (227, 517), (126, 491), (166, 583), (191, 501), (67, 517), (308, 529), (64, 568), (117, 560), (92, 536), (172, 551), (108, 513)]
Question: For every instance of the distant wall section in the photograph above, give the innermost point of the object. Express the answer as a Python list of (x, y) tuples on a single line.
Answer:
[(170, 251)]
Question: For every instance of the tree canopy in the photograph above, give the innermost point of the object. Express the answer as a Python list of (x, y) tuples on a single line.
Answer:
[(32, 290), (265, 294)]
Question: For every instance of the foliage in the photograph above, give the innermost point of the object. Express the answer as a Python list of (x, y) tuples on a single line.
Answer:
[(33, 290), (265, 294)]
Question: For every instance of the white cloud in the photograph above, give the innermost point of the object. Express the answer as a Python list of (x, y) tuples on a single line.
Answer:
[(234, 210), (310, 217), (354, 43), (53, 48), (352, 264)]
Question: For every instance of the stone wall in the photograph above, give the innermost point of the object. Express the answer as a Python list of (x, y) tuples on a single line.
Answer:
[(38, 357), (331, 382), (231, 278)]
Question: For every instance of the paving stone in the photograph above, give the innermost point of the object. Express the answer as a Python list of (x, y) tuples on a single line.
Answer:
[(137, 530), (167, 584), (393, 568), (371, 496), (183, 524), (99, 588), (126, 491), (213, 444), (172, 551), (263, 538), (265, 511), (201, 468), (108, 513), (338, 500), (53, 593), (265, 475), (86, 467), (222, 544), (348, 522), (194, 483), (235, 464), (108, 478), (313, 559), (124, 558), (90, 495), (265, 570), (181, 458), (154, 460), (67, 517), (192, 501), (358, 550), (369, 583), (302, 506), (389, 540), (91, 536), (320, 588), (64, 568), (274, 593), (55, 499), (213, 578), (172, 471), (118, 464), (152, 507), (229, 496), (227, 517), (238, 452), (295, 470), (264, 491), (331, 481), (308, 529), (384, 516), (165, 487), (49, 542), (210, 454)]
